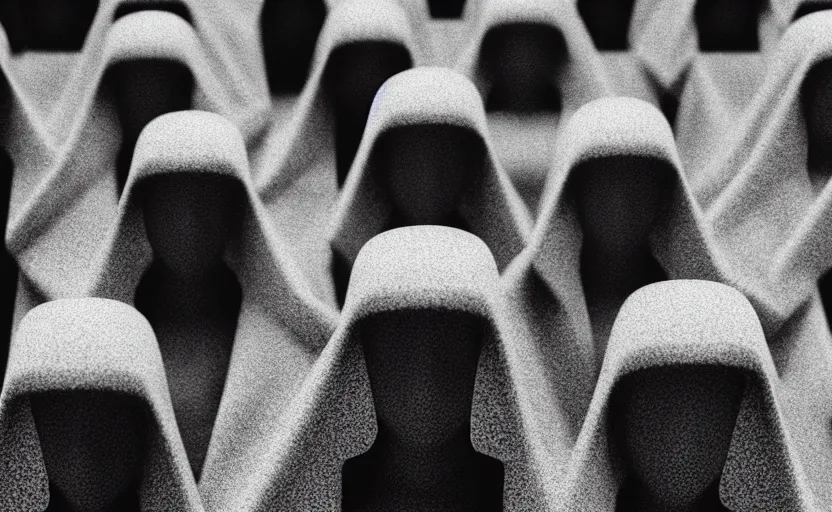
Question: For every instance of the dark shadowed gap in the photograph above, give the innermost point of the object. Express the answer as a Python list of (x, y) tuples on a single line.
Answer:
[(825, 289), (807, 8), (686, 413), (521, 60), (47, 25), (422, 365), (728, 25), (608, 22), (8, 266), (446, 9), (669, 105), (93, 444), (816, 102), (289, 32), (354, 73), (189, 295), (177, 8), (144, 90)]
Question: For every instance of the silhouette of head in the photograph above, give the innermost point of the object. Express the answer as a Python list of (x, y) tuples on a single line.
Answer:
[(144, 90), (816, 97), (426, 168), (422, 365), (92, 443), (618, 200), (189, 218), (673, 427), (353, 76), (522, 60), (289, 31), (728, 25), (607, 21)]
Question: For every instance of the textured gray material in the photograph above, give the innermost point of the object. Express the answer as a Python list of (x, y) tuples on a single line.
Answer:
[(766, 214), (663, 34), (425, 267), (100, 345), (281, 328), (65, 185), (295, 167), (692, 323), (432, 97)]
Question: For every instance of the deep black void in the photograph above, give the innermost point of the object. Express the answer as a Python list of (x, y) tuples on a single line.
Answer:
[(47, 25), (422, 365), (608, 22), (672, 427), (521, 61), (446, 8), (94, 445), (728, 25), (825, 289), (816, 100), (8, 266), (353, 76), (806, 8), (289, 31), (618, 202), (177, 8), (144, 90), (190, 296), (669, 105)]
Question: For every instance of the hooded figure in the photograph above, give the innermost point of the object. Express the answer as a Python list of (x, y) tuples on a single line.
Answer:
[(75, 35), (302, 164), (534, 64), (347, 432), (426, 159), (191, 248), (685, 415), (86, 422), (617, 215), (766, 197), (65, 192)]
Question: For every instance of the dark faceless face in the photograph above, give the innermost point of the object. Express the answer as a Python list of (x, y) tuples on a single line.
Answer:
[(189, 219), (728, 25), (425, 170), (289, 31), (92, 444), (618, 200), (422, 365), (522, 61), (673, 428), (146, 89), (353, 76)]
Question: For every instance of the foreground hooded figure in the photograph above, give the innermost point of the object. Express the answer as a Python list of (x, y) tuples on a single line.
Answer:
[(426, 159), (451, 426), (306, 155), (685, 415), (86, 423), (65, 194), (617, 215), (191, 248), (534, 65)]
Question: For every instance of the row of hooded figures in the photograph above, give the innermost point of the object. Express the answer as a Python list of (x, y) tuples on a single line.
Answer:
[(410, 287)]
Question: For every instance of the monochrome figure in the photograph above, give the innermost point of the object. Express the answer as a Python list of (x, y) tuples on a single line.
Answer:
[(686, 412), (86, 422), (191, 249), (426, 158)]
